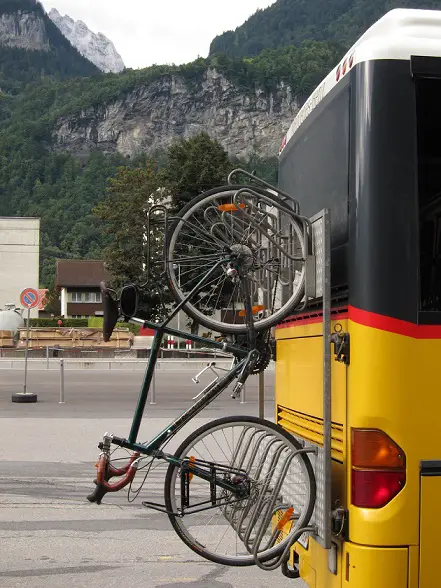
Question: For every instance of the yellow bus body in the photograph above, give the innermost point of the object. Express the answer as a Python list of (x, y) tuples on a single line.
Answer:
[(391, 384)]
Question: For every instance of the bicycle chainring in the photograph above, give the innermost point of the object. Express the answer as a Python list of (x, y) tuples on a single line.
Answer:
[(264, 359), (265, 349)]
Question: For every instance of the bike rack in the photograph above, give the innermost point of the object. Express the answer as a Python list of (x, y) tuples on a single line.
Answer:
[(252, 521), (257, 450), (321, 234), (270, 461)]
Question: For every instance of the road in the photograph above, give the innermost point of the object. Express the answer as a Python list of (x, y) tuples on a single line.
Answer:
[(51, 536), (99, 394)]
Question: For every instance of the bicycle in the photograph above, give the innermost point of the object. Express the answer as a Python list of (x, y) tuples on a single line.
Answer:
[(242, 254)]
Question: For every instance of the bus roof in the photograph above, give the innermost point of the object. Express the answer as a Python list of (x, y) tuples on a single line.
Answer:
[(399, 34)]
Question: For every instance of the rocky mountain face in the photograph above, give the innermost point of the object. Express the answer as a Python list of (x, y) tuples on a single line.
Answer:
[(153, 116), (97, 48), (23, 30), (31, 44)]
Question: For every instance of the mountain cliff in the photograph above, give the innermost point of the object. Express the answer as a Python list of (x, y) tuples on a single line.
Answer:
[(31, 46), (24, 30), (152, 116), (97, 48), (246, 105)]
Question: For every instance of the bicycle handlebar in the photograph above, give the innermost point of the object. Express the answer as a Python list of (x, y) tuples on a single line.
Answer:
[(106, 471)]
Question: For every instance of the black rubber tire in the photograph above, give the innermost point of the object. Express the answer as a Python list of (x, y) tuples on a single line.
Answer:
[(180, 454), (224, 328), (21, 398)]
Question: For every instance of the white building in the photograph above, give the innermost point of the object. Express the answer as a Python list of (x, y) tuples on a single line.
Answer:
[(19, 258)]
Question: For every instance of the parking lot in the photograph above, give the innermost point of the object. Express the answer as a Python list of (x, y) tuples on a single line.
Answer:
[(50, 535)]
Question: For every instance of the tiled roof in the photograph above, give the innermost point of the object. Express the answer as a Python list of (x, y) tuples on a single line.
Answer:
[(75, 273)]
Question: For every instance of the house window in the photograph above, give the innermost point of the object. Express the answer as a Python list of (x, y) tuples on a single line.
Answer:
[(92, 296), (77, 297)]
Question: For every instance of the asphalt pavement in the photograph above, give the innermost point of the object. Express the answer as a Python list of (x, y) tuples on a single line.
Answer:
[(50, 535), (114, 393)]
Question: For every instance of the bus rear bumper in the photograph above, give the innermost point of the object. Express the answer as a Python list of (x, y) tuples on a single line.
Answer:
[(358, 566)]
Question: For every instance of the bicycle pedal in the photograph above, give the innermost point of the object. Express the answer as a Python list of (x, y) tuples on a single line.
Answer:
[(237, 390)]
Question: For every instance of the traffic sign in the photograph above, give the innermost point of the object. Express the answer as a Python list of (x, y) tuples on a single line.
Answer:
[(29, 298)]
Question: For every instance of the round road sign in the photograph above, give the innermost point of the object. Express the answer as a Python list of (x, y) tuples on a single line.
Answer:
[(29, 298)]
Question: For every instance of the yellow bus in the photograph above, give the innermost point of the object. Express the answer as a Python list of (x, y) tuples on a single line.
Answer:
[(367, 146)]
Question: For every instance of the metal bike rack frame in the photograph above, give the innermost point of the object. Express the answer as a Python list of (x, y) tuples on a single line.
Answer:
[(321, 241)]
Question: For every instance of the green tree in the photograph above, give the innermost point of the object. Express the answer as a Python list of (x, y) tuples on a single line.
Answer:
[(291, 22), (262, 167), (131, 193), (193, 166), (53, 303)]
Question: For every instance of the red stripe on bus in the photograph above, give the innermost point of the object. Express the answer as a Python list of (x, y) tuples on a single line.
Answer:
[(393, 325), (368, 319), (312, 318)]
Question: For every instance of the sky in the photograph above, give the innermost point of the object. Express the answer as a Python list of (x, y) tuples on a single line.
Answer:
[(145, 32)]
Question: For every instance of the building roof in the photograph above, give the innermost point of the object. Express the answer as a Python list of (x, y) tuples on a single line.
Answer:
[(77, 273)]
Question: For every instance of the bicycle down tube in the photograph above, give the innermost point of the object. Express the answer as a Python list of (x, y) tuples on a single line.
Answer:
[(216, 388), (156, 347)]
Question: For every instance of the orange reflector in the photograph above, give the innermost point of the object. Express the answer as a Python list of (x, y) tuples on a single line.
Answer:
[(286, 518), (372, 448), (190, 463), (230, 207), (254, 310)]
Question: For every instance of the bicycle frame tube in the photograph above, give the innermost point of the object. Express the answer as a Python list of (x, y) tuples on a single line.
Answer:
[(223, 346), (152, 446), (216, 388), (143, 394)]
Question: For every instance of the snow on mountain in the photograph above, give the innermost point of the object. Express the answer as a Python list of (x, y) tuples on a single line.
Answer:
[(97, 48)]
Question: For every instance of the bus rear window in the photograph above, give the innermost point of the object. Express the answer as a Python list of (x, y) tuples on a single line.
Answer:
[(428, 103)]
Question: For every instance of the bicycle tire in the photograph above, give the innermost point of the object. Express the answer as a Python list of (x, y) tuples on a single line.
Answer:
[(174, 279), (170, 490)]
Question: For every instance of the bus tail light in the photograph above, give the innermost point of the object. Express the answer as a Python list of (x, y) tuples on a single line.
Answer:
[(374, 449), (375, 488), (378, 468)]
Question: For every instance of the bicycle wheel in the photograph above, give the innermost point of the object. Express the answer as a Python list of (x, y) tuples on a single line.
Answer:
[(264, 245), (274, 476)]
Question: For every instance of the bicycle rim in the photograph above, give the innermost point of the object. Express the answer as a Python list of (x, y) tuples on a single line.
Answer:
[(226, 533), (261, 235)]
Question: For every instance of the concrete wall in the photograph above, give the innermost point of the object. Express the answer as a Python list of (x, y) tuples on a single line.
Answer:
[(19, 258)]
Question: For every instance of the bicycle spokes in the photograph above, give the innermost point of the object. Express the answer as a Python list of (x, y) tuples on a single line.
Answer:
[(255, 474)]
